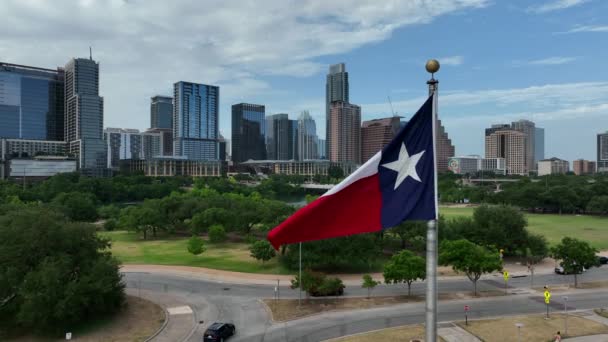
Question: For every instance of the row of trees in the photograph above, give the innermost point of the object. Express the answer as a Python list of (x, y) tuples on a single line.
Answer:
[(556, 193)]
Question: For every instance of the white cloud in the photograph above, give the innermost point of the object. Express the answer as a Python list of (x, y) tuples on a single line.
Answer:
[(536, 99), (451, 60), (556, 5), (552, 61), (145, 46), (589, 28)]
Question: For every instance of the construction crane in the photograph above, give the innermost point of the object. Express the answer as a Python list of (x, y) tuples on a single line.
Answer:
[(391, 103)]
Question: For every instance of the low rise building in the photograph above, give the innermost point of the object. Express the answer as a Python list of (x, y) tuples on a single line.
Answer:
[(172, 166), (473, 164), (37, 168), (553, 166), (583, 167), (302, 168)]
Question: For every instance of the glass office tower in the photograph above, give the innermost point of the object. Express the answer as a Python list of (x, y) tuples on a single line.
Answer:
[(248, 132), (31, 102)]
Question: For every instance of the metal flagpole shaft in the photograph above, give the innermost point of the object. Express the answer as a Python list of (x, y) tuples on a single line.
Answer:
[(300, 277), (432, 66)]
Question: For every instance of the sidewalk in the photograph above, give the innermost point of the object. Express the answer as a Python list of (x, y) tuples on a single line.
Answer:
[(271, 279), (181, 320)]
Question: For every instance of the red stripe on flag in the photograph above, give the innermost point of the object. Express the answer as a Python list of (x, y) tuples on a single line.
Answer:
[(353, 210)]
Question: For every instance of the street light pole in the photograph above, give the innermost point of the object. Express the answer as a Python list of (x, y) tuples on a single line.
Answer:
[(566, 314), (432, 66)]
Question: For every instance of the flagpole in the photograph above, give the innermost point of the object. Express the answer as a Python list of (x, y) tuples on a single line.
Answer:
[(432, 66), (300, 278)]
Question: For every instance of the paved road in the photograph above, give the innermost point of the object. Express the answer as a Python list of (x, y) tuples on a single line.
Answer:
[(214, 301)]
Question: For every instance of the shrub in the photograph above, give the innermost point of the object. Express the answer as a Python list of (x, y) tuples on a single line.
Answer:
[(217, 233), (196, 245)]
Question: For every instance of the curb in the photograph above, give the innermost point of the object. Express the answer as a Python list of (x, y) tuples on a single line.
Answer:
[(162, 327), (194, 324)]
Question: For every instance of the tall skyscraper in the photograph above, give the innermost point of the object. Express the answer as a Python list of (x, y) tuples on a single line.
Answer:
[(509, 144), (529, 129), (336, 89), (84, 116), (161, 112), (539, 144), (602, 152), (377, 133), (445, 149), (345, 133), (307, 137), (248, 132), (196, 121), (279, 137)]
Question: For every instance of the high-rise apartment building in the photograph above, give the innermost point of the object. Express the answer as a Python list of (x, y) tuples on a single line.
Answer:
[(248, 132), (345, 133), (336, 89), (602, 152), (539, 144), (84, 116), (125, 143), (553, 166), (279, 137), (508, 144), (308, 141), (529, 129), (31, 103), (161, 112), (196, 120), (377, 133), (583, 167), (445, 149)]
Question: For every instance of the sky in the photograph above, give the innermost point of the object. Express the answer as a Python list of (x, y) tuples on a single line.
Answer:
[(501, 61)]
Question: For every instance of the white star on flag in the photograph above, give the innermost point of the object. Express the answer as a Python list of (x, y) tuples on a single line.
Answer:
[(405, 166)]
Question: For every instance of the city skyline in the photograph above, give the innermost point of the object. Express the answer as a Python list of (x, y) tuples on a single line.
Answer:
[(485, 77)]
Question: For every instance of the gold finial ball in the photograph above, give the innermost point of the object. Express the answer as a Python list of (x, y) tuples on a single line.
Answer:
[(432, 66)]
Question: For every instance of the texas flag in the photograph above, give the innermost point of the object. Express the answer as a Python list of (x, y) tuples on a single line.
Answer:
[(395, 185)]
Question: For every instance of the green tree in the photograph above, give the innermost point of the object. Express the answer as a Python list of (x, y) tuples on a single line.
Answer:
[(469, 258), (575, 255), (54, 274), (369, 283), (76, 205), (217, 233), (598, 205), (108, 212), (196, 245), (409, 231), (201, 222), (404, 267), (110, 224), (535, 251), (262, 250), (499, 227), (335, 172)]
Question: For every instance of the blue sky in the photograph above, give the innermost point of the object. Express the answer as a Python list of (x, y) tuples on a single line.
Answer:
[(501, 60)]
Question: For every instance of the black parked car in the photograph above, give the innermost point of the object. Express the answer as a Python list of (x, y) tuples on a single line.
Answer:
[(602, 260), (219, 332)]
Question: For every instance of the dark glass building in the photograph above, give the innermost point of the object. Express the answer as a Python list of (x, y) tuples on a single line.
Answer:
[(196, 121), (279, 137), (31, 102), (84, 116), (161, 112), (248, 132)]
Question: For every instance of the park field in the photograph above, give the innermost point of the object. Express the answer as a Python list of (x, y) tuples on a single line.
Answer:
[(130, 248), (592, 229)]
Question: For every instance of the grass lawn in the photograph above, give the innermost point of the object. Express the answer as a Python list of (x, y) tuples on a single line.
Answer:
[(592, 229), (130, 248), (535, 328), (404, 333)]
